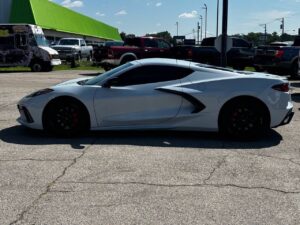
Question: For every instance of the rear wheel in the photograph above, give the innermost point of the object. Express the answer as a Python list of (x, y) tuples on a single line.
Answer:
[(127, 59), (244, 118), (66, 117)]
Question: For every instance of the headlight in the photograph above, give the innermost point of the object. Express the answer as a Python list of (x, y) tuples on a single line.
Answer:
[(40, 92)]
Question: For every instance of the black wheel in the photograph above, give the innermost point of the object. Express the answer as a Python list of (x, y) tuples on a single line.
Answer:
[(294, 70), (66, 117), (36, 66), (127, 59), (243, 119)]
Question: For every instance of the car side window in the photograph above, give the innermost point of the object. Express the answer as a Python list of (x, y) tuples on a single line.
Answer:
[(163, 44), (238, 43), (150, 43), (152, 74)]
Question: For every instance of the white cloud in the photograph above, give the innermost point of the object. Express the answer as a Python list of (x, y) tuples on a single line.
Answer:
[(72, 4), (121, 13), (158, 4), (189, 15), (100, 14)]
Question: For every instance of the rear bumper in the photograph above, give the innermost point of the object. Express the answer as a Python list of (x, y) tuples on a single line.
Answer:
[(287, 119)]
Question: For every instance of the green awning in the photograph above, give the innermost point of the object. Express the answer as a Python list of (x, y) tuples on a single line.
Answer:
[(52, 16)]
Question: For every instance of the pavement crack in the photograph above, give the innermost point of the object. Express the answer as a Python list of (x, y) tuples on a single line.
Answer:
[(48, 187), (218, 166), (36, 160), (190, 185), (291, 160)]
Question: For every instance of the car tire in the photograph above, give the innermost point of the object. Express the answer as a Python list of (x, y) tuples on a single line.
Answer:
[(244, 119), (36, 66), (66, 117), (127, 59)]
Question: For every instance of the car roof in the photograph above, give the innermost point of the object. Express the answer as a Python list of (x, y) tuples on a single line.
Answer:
[(165, 61)]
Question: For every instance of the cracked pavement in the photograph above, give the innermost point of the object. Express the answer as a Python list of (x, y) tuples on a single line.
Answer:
[(142, 177)]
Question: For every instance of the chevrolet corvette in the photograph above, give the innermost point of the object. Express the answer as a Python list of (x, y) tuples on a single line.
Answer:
[(162, 94)]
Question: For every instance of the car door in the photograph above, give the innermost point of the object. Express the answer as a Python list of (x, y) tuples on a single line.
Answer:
[(151, 49), (133, 98)]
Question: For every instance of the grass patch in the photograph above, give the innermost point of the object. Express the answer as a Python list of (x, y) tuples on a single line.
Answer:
[(83, 65)]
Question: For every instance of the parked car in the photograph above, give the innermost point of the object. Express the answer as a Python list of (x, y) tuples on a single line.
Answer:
[(100, 51), (162, 94), (26, 45), (239, 56), (73, 49), (278, 59), (136, 48)]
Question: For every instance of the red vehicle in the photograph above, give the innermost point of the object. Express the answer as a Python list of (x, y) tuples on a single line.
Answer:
[(136, 48)]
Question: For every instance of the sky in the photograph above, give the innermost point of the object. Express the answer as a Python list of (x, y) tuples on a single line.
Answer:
[(150, 16)]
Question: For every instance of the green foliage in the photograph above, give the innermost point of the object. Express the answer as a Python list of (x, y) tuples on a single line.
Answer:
[(258, 38)]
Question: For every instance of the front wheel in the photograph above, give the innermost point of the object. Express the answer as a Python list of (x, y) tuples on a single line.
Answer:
[(36, 66), (65, 117), (244, 119)]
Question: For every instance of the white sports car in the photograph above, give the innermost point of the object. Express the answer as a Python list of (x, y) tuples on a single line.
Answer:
[(162, 94)]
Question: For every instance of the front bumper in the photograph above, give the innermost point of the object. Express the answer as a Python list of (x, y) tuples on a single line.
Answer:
[(55, 62), (30, 113)]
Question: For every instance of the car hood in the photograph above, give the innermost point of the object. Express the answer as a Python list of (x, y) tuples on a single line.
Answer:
[(51, 51), (65, 46), (71, 82)]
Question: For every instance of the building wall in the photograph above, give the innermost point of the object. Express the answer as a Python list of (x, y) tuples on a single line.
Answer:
[(5, 10)]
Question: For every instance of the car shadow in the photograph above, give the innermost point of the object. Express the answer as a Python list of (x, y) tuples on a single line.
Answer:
[(23, 136)]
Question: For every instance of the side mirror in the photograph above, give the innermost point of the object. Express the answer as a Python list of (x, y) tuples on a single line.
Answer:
[(111, 82)]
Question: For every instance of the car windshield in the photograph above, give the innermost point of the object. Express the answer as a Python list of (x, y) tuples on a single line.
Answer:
[(98, 79), (69, 42), (41, 40)]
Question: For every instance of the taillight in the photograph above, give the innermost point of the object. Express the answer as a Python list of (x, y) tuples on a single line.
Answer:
[(190, 54), (282, 87), (279, 53)]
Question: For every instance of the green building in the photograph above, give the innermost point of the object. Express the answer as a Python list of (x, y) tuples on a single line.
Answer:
[(56, 21)]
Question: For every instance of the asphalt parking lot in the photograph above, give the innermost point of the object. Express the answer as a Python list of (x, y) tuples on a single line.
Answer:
[(110, 178)]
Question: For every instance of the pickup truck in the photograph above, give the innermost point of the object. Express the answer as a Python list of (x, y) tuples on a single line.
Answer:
[(282, 60), (136, 48), (239, 56), (73, 49)]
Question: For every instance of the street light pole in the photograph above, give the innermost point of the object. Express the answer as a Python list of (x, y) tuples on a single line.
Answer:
[(177, 24), (201, 18), (218, 4), (224, 34), (205, 7)]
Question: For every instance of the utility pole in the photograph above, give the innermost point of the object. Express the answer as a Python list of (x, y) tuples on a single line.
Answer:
[(282, 26), (177, 25), (265, 28), (198, 33), (224, 34), (201, 19), (205, 7), (218, 4)]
